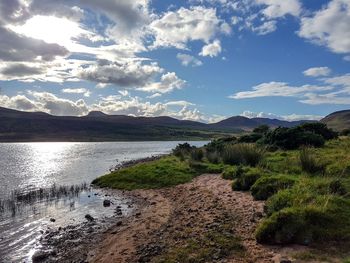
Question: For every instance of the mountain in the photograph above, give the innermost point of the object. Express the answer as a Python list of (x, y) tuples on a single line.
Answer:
[(338, 121), (98, 126), (244, 123)]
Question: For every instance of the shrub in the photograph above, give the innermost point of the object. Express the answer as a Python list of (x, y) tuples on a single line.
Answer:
[(246, 179), (219, 144), (292, 138), (267, 186), (309, 163), (250, 138), (320, 129), (182, 149), (336, 186), (246, 154), (262, 129), (232, 172), (197, 154), (345, 132), (213, 157), (308, 224)]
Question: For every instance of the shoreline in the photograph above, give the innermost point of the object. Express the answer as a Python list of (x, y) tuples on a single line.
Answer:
[(167, 217)]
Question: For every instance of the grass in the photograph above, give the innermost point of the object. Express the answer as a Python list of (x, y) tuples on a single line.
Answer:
[(211, 246), (165, 172), (20, 198), (242, 153)]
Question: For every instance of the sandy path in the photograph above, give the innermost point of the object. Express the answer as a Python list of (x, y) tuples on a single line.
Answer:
[(169, 217)]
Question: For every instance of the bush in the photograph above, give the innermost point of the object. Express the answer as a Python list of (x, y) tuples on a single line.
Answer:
[(267, 186), (250, 138), (246, 179), (345, 132), (213, 157), (197, 154), (308, 224), (282, 199), (182, 149), (246, 154), (292, 138), (320, 129), (218, 145), (232, 172), (262, 129), (309, 163)]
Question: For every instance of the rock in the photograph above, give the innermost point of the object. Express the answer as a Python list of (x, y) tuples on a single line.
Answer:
[(285, 260), (52, 220), (106, 203), (119, 223), (40, 256), (89, 217)]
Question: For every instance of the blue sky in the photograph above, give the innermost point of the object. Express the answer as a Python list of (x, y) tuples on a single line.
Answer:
[(202, 60)]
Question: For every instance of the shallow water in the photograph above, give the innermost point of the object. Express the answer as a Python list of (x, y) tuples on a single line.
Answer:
[(40, 165)]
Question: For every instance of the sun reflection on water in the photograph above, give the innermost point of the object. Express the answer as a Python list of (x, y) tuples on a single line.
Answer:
[(46, 162)]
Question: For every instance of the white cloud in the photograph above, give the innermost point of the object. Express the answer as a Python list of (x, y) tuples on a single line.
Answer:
[(343, 80), (153, 96), (346, 58), (265, 28), (168, 82), (211, 50), (84, 91), (188, 60), (317, 72), (291, 117), (280, 8), (329, 26), (176, 28), (278, 89)]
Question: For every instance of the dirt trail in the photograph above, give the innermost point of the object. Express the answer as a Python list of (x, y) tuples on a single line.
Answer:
[(169, 217)]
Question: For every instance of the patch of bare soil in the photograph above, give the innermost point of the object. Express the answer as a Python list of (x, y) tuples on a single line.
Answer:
[(201, 221)]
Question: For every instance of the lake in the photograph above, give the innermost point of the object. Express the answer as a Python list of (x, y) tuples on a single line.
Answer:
[(25, 166)]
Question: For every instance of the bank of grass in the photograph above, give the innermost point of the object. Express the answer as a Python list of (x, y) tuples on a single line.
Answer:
[(164, 172)]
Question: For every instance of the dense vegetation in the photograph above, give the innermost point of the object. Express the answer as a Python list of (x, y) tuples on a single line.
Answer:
[(303, 173)]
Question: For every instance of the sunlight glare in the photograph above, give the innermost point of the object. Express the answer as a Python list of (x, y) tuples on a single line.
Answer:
[(51, 29)]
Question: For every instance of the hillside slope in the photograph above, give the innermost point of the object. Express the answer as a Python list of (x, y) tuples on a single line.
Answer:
[(338, 121)]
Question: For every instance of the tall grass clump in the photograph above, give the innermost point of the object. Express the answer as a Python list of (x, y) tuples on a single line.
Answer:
[(243, 153), (309, 163), (213, 157), (197, 154)]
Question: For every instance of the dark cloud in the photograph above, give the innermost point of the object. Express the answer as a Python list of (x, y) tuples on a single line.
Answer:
[(130, 74), (15, 47), (20, 70)]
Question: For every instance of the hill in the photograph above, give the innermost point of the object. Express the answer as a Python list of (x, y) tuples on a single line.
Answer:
[(97, 126), (338, 121)]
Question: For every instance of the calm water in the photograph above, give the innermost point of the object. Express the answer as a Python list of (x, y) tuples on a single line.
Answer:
[(35, 165)]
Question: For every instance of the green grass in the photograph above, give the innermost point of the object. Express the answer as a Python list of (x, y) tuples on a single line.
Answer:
[(315, 206), (211, 246), (165, 172)]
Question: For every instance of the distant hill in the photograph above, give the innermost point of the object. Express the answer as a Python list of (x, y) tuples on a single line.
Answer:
[(338, 121), (98, 126)]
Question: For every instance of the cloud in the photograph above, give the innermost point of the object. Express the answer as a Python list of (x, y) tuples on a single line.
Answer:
[(14, 47), (188, 60), (278, 89), (18, 102), (126, 74), (153, 96), (334, 90), (291, 117), (176, 28), (265, 28), (346, 58), (317, 72), (18, 70), (278, 8), (329, 26), (84, 91), (211, 50), (168, 82)]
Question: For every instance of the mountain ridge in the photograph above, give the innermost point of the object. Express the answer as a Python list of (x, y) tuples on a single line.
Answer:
[(97, 126)]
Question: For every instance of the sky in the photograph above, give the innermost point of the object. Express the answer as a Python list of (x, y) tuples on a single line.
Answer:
[(202, 60)]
